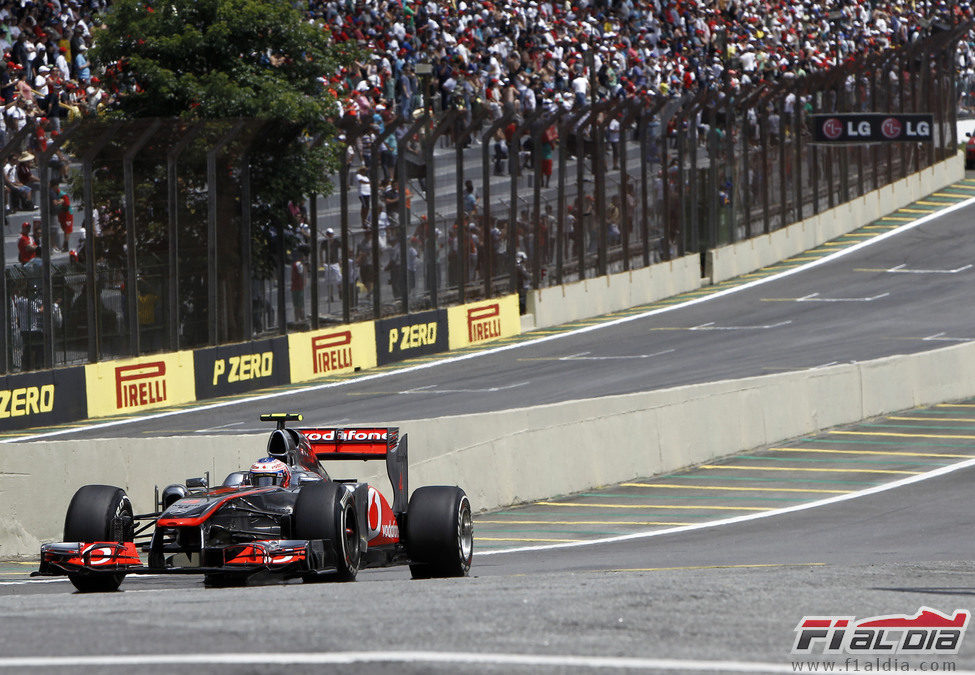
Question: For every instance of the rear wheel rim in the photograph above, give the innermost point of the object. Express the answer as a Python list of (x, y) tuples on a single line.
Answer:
[(465, 531), (350, 538)]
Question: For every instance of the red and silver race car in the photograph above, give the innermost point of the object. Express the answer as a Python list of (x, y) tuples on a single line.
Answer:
[(285, 518)]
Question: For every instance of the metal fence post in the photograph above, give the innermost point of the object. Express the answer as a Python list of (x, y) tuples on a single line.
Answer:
[(464, 133), (432, 263), (213, 250), (388, 131), (514, 156), (486, 138), (132, 261), (404, 212), (5, 344)]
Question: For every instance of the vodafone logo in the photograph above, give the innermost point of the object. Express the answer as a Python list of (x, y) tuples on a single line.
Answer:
[(891, 128), (832, 128), (374, 514)]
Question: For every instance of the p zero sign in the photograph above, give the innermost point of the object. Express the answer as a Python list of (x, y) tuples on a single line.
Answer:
[(873, 128), (404, 337)]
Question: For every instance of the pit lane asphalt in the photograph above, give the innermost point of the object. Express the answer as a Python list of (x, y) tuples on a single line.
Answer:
[(906, 293)]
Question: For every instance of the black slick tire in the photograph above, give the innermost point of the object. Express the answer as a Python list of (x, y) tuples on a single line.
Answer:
[(98, 513), (439, 532), (326, 510)]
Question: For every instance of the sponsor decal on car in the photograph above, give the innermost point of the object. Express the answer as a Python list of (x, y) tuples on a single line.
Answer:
[(380, 520)]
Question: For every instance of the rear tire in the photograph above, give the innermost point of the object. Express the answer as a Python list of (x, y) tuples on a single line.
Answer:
[(98, 513), (439, 532), (326, 510)]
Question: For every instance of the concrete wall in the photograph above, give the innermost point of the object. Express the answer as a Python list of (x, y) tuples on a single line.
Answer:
[(507, 457), (752, 254), (591, 297)]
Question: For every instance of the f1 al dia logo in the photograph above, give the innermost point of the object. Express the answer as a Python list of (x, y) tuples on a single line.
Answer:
[(927, 632)]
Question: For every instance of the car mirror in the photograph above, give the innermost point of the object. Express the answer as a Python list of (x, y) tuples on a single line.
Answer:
[(196, 483)]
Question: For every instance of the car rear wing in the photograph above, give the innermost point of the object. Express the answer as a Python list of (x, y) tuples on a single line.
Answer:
[(352, 443), (329, 443)]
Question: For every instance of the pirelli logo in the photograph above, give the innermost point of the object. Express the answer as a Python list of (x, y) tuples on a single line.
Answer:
[(484, 323), (140, 385), (331, 352)]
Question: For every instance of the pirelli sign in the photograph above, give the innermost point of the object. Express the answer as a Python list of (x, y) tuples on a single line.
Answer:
[(483, 321), (139, 384), (333, 351)]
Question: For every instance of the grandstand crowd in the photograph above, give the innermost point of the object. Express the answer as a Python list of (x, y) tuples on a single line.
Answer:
[(520, 53), (543, 52)]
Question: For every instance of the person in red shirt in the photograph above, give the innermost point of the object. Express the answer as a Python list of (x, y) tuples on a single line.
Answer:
[(26, 248)]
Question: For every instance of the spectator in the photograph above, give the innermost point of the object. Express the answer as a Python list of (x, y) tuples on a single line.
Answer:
[(26, 249)]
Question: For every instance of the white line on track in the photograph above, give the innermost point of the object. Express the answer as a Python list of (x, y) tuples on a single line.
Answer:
[(902, 269), (517, 345), (814, 297), (527, 661), (964, 464)]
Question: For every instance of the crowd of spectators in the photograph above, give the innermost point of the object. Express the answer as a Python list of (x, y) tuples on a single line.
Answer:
[(45, 74), (526, 53)]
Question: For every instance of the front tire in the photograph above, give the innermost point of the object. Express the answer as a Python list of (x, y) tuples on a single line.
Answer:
[(98, 513), (439, 532), (326, 510)]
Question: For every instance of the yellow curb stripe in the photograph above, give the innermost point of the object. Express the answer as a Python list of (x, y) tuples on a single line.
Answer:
[(653, 506), (901, 435), (933, 419), (790, 468), (734, 489), (874, 452)]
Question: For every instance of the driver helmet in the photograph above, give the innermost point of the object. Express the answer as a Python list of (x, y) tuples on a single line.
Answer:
[(269, 471)]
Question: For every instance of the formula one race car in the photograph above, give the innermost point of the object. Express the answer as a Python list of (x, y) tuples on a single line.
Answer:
[(285, 518)]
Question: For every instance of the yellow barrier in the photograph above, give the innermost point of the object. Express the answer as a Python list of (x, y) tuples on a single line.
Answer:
[(483, 321), (336, 350), (139, 384)]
